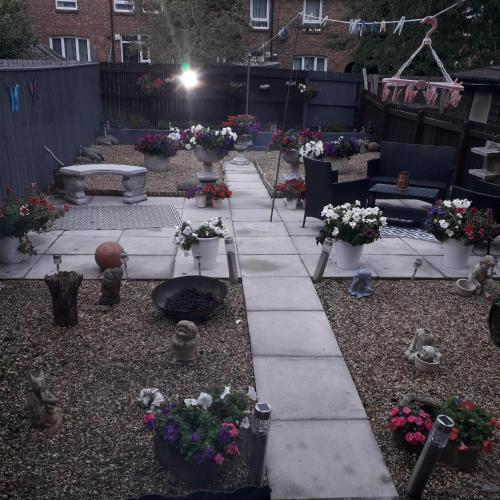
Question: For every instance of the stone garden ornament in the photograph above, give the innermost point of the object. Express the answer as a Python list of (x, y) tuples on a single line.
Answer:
[(43, 407), (150, 398), (186, 343), (110, 287), (360, 286), (482, 274), (423, 337)]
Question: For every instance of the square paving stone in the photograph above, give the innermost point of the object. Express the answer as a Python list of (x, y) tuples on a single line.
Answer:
[(176, 201), (204, 214), (147, 245), (388, 246), (401, 266), (253, 215), (306, 245), (439, 263), (272, 265), (246, 185), (19, 270), (290, 215), (184, 266), (291, 333), (245, 191), (150, 267), (255, 245), (312, 227), (326, 459), (301, 388), (251, 202), (111, 234), (248, 177), (154, 232), (83, 264), (423, 247), (332, 270), (43, 241), (77, 245), (262, 229), (277, 293), (106, 201)]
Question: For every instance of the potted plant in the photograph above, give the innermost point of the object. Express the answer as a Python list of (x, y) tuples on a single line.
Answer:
[(203, 242), (339, 152), (244, 125), (309, 91), (198, 194), (157, 149), (410, 425), (292, 190), (473, 433), (312, 149), (149, 85), (197, 439), (217, 193), (427, 359), (18, 216), (458, 226), (352, 227)]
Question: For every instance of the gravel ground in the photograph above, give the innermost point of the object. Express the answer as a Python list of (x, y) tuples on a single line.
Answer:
[(97, 370), (373, 334), (183, 167)]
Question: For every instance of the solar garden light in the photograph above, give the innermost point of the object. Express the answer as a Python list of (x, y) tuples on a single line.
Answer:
[(124, 258), (416, 265), (323, 259), (57, 259), (434, 446), (197, 255), (260, 426), (231, 259)]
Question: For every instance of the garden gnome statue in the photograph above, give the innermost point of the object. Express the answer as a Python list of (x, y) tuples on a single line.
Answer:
[(110, 287), (44, 410), (423, 337), (482, 272), (186, 342), (360, 286)]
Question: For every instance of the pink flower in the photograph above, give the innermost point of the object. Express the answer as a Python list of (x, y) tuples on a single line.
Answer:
[(231, 430), (397, 422), (394, 411), (412, 419), (406, 410), (419, 421), (232, 449), (428, 424), (219, 459), (423, 414), (419, 437)]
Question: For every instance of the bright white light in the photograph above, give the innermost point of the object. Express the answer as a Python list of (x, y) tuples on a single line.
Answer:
[(189, 79)]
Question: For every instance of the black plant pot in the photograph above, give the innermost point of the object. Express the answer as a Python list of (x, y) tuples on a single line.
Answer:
[(494, 323)]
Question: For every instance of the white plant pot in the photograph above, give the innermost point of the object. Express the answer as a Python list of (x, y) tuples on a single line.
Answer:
[(156, 163), (347, 256), (425, 366), (9, 250), (456, 253), (207, 249), (291, 204), (217, 203), (201, 200)]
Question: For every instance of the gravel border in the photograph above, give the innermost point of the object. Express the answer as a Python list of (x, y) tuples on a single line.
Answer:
[(373, 334), (97, 370)]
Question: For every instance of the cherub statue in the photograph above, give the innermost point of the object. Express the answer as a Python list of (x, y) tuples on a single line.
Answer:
[(44, 410), (360, 286), (110, 287), (422, 337), (186, 343), (482, 273)]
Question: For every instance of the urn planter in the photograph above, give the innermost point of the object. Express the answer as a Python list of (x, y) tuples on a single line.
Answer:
[(156, 163), (9, 250), (425, 366), (456, 253), (292, 157), (347, 256), (205, 252), (241, 145), (207, 157)]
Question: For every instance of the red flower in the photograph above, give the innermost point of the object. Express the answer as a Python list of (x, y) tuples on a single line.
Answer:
[(406, 410), (473, 210), (453, 434), (495, 423), (232, 450), (219, 459), (65, 207), (463, 447), (469, 230), (482, 232), (34, 200), (467, 405), (394, 411), (487, 445)]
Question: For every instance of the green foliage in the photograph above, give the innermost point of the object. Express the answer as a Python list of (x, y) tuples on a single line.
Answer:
[(15, 31), (467, 37), (197, 31)]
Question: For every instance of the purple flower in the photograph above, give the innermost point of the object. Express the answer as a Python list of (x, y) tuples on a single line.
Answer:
[(171, 434), (208, 454), (224, 436), (195, 436), (199, 458)]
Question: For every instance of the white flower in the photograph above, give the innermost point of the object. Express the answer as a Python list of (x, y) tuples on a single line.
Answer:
[(204, 400), (190, 402), (352, 224), (449, 233), (245, 423), (447, 203), (227, 390), (335, 231), (188, 147), (443, 223)]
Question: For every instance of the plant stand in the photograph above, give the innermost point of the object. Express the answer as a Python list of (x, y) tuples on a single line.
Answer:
[(63, 287)]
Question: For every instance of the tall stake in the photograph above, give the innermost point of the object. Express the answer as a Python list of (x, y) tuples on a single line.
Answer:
[(248, 83), (284, 117)]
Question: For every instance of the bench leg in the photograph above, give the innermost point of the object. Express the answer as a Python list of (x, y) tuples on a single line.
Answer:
[(74, 187), (134, 188)]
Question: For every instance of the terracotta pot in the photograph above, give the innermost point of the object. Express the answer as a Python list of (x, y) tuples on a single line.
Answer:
[(494, 323), (403, 181)]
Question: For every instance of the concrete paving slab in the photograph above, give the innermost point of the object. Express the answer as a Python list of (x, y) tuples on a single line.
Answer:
[(401, 266), (290, 215), (388, 246), (206, 213), (272, 265), (439, 263), (84, 264), (184, 266), (251, 202), (262, 229), (306, 245), (154, 232), (19, 270), (77, 245), (246, 186), (256, 245), (312, 228), (147, 245), (101, 201), (332, 270), (112, 234), (253, 215), (176, 201), (301, 388), (245, 190), (150, 267), (277, 293), (423, 247), (246, 177), (291, 333), (326, 459), (43, 241)]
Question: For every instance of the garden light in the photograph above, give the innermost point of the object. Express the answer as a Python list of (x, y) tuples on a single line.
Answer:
[(124, 258), (416, 265), (261, 425), (323, 259), (57, 259), (189, 78), (231, 259), (434, 446)]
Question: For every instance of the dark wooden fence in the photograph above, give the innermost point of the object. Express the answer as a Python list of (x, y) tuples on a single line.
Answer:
[(65, 115), (394, 123), (222, 92)]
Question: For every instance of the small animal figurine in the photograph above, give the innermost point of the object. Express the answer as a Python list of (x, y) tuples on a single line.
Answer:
[(422, 337), (150, 398), (360, 286), (186, 343), (482, 273), (110, 287), (44, 411)]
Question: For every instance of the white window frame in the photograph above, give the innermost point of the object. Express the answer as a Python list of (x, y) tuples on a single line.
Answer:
[(67, 8), (260, 19), (141, 50), (312, 21), (124, 6), (302, 61), (152, 11), (77, 43)]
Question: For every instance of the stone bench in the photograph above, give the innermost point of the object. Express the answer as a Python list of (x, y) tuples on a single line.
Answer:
[(134, 179)]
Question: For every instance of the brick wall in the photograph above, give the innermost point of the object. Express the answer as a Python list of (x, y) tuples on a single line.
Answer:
[(93, 21)]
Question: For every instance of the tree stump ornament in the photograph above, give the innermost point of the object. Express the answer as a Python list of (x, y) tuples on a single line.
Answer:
[(63, 288), (108, 255), (110, 287), (43, 406), (186, 343)]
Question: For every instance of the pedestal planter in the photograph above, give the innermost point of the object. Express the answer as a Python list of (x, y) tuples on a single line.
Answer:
[(291, 204), (424, 366), (341, 165), (347, 256), (9, 250), (456, 254), (156, 163), (241, 145), (207, 157), (205, 252), (292, 157), (201, 200)]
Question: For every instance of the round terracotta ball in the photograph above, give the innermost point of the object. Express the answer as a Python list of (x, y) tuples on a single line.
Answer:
[(107, 255)]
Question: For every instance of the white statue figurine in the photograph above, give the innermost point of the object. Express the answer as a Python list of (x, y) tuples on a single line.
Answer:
[(422, 337), (482, 272)]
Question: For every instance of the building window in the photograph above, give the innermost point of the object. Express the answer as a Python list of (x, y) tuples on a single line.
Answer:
[(312, 11), (134, 49), (310, 63), (152, 6), (124, 5), (66, 5), (259, 14), (71, 48)]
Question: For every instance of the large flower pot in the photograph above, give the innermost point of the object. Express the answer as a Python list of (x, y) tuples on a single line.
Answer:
[(494, 323), (156, 163), (341, 165), (9, 250), (205, 252), (425, 366), (347, 256), (456, 253), (241, 146), (217, 203), (291, 204), (292, 157), (207, 157), (201, 200)]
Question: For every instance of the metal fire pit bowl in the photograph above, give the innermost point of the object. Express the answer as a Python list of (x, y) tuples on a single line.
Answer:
[(164, 296)]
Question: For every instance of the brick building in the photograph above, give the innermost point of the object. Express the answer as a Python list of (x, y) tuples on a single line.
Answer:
[(96, 30)]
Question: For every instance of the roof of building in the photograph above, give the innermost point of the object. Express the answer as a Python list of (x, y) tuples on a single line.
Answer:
[(489, 75)]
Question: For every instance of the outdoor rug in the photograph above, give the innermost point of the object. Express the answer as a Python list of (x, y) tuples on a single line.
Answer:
[(118, 217), (406, 232)]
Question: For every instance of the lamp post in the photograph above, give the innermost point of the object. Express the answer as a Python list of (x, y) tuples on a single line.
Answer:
[(261, 425), (124, 258), (323, 260), (231, 259)]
